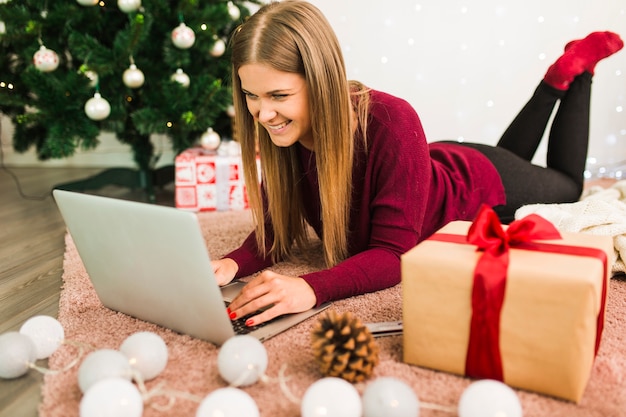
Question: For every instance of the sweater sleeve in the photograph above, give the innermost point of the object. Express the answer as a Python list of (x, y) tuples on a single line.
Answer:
[(391, 186)]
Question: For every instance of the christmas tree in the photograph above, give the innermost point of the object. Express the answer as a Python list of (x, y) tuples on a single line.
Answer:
[(70, 69)]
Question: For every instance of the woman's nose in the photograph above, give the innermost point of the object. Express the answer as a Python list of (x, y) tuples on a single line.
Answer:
[(266, 112)]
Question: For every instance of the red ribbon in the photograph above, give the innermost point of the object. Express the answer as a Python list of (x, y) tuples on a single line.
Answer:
[(483, 353)]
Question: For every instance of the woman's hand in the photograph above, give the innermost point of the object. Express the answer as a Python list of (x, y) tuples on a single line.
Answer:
[(224, 270), (283, 293)]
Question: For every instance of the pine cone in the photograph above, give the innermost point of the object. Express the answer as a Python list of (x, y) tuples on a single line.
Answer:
[(343, 347)]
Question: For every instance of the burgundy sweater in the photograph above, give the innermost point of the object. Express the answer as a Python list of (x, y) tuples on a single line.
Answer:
[(404, 190)]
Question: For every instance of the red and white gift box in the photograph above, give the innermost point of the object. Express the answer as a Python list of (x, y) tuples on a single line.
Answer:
[(206, 181)]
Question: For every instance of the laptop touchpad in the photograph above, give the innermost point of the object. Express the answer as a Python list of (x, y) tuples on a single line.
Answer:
[(230, 291)]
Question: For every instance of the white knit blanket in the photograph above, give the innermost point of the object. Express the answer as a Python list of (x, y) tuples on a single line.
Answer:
[(600, 211)]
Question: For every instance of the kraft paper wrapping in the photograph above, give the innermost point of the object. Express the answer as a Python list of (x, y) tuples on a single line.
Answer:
[(548, 321)]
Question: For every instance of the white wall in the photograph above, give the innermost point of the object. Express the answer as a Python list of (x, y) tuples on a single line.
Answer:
[(466, 66)]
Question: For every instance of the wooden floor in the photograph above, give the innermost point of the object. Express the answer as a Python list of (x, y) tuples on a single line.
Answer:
[(31, 259)]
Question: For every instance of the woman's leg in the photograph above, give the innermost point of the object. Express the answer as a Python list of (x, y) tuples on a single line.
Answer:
[(524, 134), (568, 140), (561, 181)]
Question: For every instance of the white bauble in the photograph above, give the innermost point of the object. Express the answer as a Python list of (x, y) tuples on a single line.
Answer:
[(230, 111), (181, 77), (210, 139), (228, 402), (133, 77), (390, 397), (233, 11), (102, 364), (242, 360), (487, 398), (146, 353), (183, 36), (97, 108), (45, 60), (87, 2), (112, 397), (46, 333), (17, 353), (218, 48), (128, 6), (92, 76), (331, 397)]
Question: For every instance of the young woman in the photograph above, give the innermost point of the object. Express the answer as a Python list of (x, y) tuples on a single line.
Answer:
[(354, 165)]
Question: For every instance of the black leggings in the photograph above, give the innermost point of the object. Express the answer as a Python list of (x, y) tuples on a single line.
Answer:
[(561, 181)]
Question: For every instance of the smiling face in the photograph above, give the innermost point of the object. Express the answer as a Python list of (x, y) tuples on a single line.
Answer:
[(279, 101)]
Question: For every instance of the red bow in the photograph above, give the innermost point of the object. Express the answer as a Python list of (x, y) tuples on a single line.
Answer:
[(483, 352)]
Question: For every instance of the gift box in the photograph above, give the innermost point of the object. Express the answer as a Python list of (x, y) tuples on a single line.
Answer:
[(525, 308), (207, 181)]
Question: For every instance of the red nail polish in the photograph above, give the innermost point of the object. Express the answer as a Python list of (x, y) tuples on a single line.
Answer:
[(249, 322), (232, 315), (228, 310)]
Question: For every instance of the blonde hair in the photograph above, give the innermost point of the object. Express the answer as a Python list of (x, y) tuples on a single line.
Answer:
[(295, 37)]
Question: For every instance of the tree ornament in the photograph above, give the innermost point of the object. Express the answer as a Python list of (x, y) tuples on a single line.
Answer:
[(210, 139), (87, 2), (218, 48), (183, 36), (128, 6), (133, 77), (344, 347), (90, 74), (331, 397), (181, 77), (97, 108), (233, 11), (45, 60), (230, 111)]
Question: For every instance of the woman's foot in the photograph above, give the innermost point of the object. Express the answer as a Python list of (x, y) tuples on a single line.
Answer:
[(580, 56)]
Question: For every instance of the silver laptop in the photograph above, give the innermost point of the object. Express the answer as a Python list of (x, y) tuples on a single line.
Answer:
[(151, 262)]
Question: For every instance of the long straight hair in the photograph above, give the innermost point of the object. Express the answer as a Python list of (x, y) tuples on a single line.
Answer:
[(294, 36)]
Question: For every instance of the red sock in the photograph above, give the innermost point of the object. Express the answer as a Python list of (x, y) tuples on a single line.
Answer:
[(580, 56)]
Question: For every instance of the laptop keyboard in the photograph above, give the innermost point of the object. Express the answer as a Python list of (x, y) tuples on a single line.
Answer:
[(239, 325)]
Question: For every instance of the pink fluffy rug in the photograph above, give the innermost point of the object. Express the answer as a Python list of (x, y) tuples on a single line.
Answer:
[(192, 363)]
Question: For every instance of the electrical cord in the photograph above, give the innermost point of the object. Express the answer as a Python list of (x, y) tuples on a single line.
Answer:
[(16, 180)]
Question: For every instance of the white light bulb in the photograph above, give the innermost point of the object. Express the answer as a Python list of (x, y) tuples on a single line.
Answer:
[(17, 353), (489, 398), (112, 397), (390, 397), (46, 333), (102, 364), (146, 353), (228, 402), (242, 360), (331, 397)]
